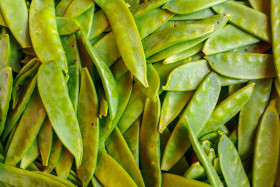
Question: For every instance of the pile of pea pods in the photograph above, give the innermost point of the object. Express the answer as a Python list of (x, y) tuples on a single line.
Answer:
[(152, 93)]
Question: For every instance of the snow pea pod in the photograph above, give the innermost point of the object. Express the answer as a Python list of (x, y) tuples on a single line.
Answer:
[(9, 53), (16, 18), (190, 74), (225, 81), (99, 24), (223, 41), (171, 36), (254, 22), (131, 137), (196, 171), (77, 7), (154, 83), (201, 14), (103, 104), (146, 6), (107, 78), (6, 86), (189, 6), (85, 20), (171, 180), (95, 182), (227, 109), (185, 54), (2, 20), (54, 155), (107, 167), (64, 164), (250, 115), (150, 144), (172, 105), (26, 130), (45, 31), (206, 95), (218, 21), (119, 150), (14, 115), (19, 177), (275, 27), (266, 152), (61, 8), (89, 125), (133, 109), (107, 49), (231, 164), (150, 21), (260, 47), (45, 137), (209, 169), (70, 46), (242, 65), (261, 5), (30, 155), (65, 182), (130, 46), (66, 26), (54, 94)]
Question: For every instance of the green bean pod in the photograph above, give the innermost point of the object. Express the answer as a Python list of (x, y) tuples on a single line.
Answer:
[(266, 154), (89, 125)]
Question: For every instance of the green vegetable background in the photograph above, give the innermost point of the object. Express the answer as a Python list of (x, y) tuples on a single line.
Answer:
[(124, 93)]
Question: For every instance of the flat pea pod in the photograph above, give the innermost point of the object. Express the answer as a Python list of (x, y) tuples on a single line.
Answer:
[(89, 125), (66, 26), (26, 130), (107, 78), (171, 36), (125, 86), (6, 87), (201, 14), (146, 6), (45, 31), (99, 24), (254, 22), (14, 115), (30, 155), (77, 7), (226, 81), (131, 137), (207, 93), (19, 177), (223, 41), (119, 68), (45, 137), (266, 151), (172, 105), (130, 46), (61, 8), (133, 110), (212, 175), (70, 47), (171, 180), (64, 164), (150, 21), (218, 21), (54, 94), (242, 65), (65, 182), (189, 6), (16, 18), (196, 171), (85, 20), (73, 84), (8, 54), (54, 155), (260, 47), (184, 54), (190, 74), (107, 167), (150, 144), (227, 109), (231, 164), (261, 5), (275, 14), (250, 115), (119, 150), (154, 83)]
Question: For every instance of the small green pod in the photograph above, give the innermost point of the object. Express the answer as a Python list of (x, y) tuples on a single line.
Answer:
[(196, 171), (206, 146), (89, 125), (231, 164), (201, 14), (170, 180), (266, 153), (30, 155), (45, 137), (85, 20), (61, 8), (99, 24), (103, 104), (77, 7), (70, 46), (65, 182), (6, 87), (150, 144), (260, 47), (66, 26), (64, 164), (243, 65)]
